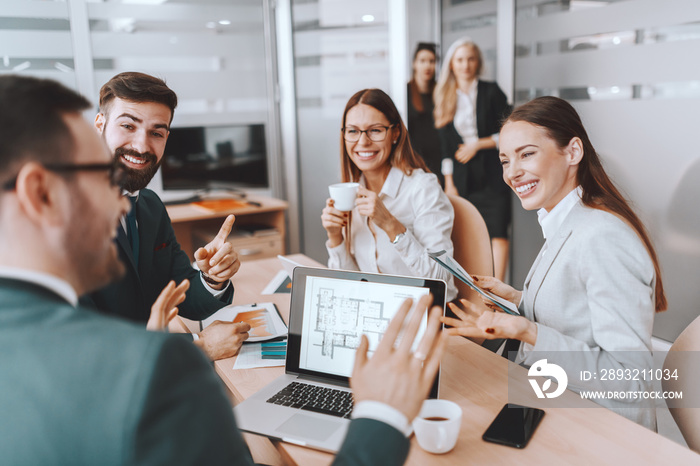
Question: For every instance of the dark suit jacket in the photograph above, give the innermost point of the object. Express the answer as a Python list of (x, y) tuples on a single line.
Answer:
[(483, 172), (80, 388), (160, 260)]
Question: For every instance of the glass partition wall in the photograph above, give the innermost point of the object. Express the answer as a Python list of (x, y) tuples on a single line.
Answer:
[(340, 48), (213, 53)]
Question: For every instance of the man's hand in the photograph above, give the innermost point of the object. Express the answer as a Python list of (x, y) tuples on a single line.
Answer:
[(222, 340), (165, 308), (394, 375), (218, 259)]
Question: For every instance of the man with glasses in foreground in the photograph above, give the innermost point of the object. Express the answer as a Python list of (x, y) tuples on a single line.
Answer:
[(82, 388), (134, 120)]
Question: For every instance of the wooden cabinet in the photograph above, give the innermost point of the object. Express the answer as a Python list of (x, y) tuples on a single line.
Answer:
[(259, 230)]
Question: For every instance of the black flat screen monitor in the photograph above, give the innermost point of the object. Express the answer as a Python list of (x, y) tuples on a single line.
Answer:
[(208, 157)]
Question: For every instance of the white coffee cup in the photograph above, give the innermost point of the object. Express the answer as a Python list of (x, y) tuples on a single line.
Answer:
[(437, 425), (343, 195)]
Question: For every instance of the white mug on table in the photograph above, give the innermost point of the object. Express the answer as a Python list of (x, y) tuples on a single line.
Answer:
[(437, 425)]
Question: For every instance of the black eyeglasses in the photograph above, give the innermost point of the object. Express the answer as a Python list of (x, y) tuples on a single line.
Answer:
[(117, 174), (375, 133)]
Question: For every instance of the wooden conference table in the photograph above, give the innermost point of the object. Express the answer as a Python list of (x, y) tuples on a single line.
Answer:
[(477, 380)]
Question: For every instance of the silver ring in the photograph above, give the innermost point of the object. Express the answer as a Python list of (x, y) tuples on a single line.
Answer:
[(419, 356)]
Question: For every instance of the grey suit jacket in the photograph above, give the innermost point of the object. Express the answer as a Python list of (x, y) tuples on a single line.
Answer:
[(591, 292), (81, 388)]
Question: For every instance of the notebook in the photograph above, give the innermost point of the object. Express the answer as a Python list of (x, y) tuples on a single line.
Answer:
[(310, 404)]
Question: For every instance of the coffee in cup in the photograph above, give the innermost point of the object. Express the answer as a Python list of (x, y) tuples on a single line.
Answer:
[(437, 425), (343, 195)]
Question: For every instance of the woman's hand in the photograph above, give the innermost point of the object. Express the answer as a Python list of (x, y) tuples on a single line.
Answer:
[(467, 151), (450, 187), (165, 308), (333, 220), (369, 205), (497, 287), (478, 322)]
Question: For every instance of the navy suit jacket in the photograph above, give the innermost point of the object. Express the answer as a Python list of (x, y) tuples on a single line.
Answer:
[(80, 388), (160, 260)]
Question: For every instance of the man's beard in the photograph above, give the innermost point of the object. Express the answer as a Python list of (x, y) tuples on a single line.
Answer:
[(137, 179)]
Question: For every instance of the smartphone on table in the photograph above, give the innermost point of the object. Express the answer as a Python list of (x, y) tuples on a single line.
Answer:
[(514, 425)]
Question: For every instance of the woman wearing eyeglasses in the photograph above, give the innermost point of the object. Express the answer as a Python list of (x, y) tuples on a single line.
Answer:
[(400, 212)]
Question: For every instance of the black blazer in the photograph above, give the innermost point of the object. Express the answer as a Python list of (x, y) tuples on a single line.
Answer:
[(483, 172), (160, 260)]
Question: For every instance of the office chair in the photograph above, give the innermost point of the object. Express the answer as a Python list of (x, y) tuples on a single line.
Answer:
[(683, 357), (472, 250), (472, 245)]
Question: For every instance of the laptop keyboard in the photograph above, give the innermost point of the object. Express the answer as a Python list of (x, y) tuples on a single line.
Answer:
[(314, 398)]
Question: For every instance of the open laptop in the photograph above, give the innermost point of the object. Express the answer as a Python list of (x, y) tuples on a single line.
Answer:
[(310, 404)]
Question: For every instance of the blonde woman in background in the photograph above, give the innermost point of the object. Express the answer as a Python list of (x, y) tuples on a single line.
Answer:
[(468, 113)]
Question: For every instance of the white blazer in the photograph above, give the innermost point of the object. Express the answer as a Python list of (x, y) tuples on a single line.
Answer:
[(591, 292)]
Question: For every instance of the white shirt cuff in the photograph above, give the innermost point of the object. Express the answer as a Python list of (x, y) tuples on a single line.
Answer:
[(383, 413), (447, 166), (216, 293)]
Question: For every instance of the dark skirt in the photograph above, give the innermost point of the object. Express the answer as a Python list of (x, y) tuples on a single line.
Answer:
[(495, 208)]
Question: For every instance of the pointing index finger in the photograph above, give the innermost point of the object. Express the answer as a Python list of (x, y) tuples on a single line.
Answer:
[(226, 228)]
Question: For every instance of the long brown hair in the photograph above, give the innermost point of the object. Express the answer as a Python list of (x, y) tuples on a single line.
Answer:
[(402, 155), (562, 124), (412, 86), (445, 94)]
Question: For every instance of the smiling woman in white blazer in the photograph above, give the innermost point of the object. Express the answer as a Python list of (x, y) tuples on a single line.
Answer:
[(591, 295)]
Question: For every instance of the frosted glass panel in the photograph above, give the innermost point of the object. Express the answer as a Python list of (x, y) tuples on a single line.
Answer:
[(477, 20), (212, 53), (340, 47), (36, 41)]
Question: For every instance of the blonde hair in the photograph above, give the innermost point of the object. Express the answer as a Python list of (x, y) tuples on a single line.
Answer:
[(445, 94)]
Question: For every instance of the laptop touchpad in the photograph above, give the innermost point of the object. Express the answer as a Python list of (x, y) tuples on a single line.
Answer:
[(311, 427)]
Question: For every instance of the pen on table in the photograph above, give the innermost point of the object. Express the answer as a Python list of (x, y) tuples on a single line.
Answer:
[(254, 203)]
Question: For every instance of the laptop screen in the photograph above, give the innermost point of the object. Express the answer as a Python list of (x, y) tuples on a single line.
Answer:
[(332, 309)]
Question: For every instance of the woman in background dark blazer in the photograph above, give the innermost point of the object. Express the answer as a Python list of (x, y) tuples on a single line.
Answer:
[(468, 113), (421, 126)]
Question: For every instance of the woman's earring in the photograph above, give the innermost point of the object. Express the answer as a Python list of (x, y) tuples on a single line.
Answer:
[(394, 141)]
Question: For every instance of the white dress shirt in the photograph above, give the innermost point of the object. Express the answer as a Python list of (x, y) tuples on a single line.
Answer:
[(465, 115), (550, 222), (44, 280), (418, 202)]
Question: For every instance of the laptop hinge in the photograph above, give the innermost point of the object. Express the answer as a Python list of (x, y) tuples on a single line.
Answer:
[(311, 378)]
